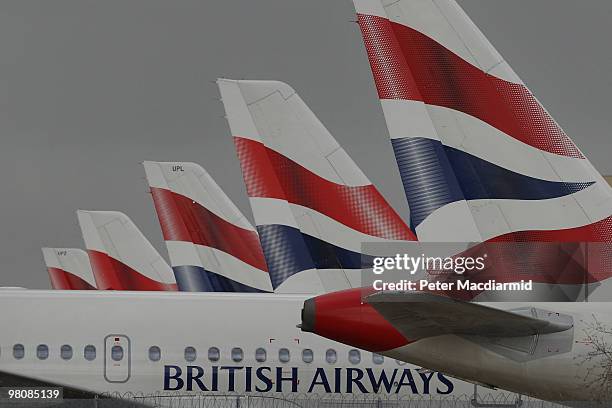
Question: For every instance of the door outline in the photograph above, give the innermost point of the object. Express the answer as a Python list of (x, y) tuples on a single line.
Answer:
[(129, 358)]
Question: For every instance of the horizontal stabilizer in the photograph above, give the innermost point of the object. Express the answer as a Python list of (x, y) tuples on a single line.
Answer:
[(419, 315)]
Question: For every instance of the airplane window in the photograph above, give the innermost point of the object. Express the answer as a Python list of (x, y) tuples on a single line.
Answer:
[(307, 356), (42, 351), (260, 355), (89, 352), (18, 351), (190, 353), (154, 353), (377, 358), (117, 353), (214, 354), (354, 356), (66, 352), (237, 354), (283, 355), (330, 356)]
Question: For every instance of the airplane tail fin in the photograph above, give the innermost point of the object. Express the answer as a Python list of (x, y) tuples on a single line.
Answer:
[(69, 269), (120, 255), (312, 204), (479, 156), (212, 246)]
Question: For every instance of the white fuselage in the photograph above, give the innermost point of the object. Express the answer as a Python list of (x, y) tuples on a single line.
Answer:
[(126, 325)]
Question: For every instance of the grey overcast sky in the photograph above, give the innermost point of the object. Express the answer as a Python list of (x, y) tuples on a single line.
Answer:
[(89, 89)]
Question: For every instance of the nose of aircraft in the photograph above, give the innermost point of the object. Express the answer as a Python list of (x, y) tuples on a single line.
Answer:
[(346, 318)]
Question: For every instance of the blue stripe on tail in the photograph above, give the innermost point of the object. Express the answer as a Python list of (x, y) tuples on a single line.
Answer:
[(191, 278), (434, 175), (289, 251)]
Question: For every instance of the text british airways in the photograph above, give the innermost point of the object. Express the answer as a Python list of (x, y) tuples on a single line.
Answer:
[(290, 379)]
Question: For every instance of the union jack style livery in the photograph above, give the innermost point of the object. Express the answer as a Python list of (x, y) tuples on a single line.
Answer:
[(212, 246), (69, 269), (480, 158), (121, 257), (313, 206)]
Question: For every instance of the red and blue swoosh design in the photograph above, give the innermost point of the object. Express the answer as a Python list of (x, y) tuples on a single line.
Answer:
[(287, 249), (361, 208), (183, 219), (194, 278), (410, 65), (435, 175), (412, 70)]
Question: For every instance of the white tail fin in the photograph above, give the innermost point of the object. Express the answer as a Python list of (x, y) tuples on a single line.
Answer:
[(121, 257), (69, 269), (212, 246), (313, 206), (479, 157)]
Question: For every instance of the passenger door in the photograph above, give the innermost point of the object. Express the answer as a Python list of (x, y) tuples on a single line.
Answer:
[(117, 358)]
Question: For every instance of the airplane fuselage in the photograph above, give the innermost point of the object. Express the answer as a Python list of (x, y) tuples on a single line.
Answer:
[(152, 343)]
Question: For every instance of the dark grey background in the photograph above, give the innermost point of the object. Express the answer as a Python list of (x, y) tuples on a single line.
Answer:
[(89, 89)]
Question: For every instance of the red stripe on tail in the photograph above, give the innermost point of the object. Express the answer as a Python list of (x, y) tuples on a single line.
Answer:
[(269, 174), (183, 219), (112, 274), (407, 64), (61, 279)]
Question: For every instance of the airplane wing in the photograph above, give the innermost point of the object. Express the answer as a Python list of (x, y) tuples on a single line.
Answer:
[(419, 315), (69, 393)]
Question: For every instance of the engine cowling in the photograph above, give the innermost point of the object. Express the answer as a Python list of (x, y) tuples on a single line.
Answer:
[(344, 317)]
